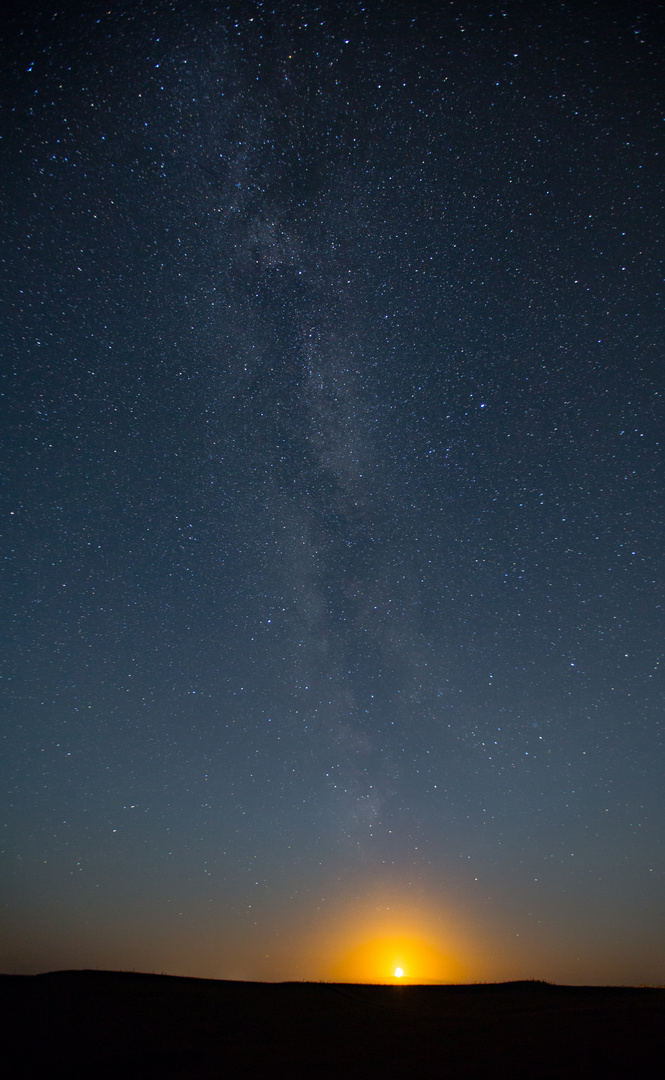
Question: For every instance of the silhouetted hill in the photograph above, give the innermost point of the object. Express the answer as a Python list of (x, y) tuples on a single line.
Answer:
[(102, 1024)]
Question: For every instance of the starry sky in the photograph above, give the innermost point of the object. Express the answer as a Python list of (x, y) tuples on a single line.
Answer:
[(332, 503)]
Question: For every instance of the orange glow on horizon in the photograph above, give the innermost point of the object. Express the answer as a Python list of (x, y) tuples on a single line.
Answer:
[(391, 938), (396, 959)]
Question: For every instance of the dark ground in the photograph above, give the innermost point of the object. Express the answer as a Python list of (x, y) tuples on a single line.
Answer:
[(112, 1024)]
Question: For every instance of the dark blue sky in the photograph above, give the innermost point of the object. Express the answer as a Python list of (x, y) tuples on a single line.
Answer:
[(333, 488)]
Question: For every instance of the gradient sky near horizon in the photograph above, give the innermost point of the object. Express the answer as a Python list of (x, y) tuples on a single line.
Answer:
[(332, 512)]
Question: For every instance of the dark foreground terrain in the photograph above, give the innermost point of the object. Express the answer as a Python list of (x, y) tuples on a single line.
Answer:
[(109, 1024)]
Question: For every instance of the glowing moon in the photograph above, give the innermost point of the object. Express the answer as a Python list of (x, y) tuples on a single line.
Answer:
[(398, 973)]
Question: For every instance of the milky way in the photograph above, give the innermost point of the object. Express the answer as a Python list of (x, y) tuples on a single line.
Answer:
[(334, 507)]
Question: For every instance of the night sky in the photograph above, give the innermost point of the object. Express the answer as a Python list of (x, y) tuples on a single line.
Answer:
[(332, 512)]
